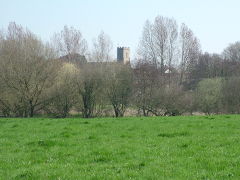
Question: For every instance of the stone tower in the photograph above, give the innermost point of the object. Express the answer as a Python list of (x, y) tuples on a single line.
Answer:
[(123, 55)]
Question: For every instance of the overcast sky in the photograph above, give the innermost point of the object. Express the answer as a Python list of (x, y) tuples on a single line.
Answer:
[(215, 22)]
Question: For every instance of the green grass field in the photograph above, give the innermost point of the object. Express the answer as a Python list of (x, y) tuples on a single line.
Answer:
[(125, 148)]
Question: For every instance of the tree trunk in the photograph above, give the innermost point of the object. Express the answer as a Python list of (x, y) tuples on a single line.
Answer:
[(31, 109)]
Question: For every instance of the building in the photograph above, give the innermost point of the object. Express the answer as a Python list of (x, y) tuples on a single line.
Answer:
[(123, 55)]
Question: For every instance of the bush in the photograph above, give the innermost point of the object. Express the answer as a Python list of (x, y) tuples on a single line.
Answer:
[(208, 95)]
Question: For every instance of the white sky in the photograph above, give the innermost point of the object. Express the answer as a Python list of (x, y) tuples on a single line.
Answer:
[(214, 22)]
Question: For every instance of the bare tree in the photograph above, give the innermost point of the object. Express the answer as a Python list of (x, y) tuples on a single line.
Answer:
[(102, 48), (25, 68), (161, 39), (172, 46), (62, 95), (232, 52), (231, 95), (89, 88), (146, 48), (159, 42), (119, 87), (189, 49), (146, 82), (69, 42)]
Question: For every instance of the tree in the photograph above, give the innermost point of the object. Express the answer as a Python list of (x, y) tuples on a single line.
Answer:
[(26, 69), (187, 102), (152, 95), (161, 39), (172, 44), (119, 87), (208, 95), (146, 84), (207, 66), (69, 42), (232, 52), (146, 48), (63, 93), (171, 101), (231, 95), (89, 83), (158, 42), (190, 50), (102, 48)]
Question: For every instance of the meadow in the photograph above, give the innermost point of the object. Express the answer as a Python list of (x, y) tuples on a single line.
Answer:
[(184, 147)]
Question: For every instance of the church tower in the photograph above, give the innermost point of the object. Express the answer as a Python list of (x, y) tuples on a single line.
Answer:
[(123, 55)]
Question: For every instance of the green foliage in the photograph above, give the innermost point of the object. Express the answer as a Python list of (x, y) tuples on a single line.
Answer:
[(208, 95), (193, 147)]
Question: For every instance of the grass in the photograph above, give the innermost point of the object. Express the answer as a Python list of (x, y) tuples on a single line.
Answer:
[(125, 148)]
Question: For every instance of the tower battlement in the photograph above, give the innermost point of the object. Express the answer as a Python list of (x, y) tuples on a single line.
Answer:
[(123, 55)]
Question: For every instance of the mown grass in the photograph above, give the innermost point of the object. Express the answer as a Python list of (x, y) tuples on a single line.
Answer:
[(125, 148)]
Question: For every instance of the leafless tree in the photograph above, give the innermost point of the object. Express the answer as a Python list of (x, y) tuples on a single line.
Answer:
[(189, 49), (172, 47), (25, 68), (69, 42), (102, 48), (146, 82), (159, 42), (232, 52), (62, 95), (231, 95), (161, 39), (146, 48), (89, 88), (119, 87)]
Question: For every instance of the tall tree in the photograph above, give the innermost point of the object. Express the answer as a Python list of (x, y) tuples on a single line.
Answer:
[(161, 39), (146, 84), (208, 95), (89, 88), (25, 68), (102, 48), (119, 87), (189, 49), (172, 46), (232, 52), (158, 44), (146, 48), (63, 93), (70, 42)]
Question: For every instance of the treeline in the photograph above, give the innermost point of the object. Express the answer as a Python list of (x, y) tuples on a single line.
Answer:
[(170, 75)]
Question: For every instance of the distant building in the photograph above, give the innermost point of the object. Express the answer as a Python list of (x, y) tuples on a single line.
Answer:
[(74, 58), (123, 55)]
